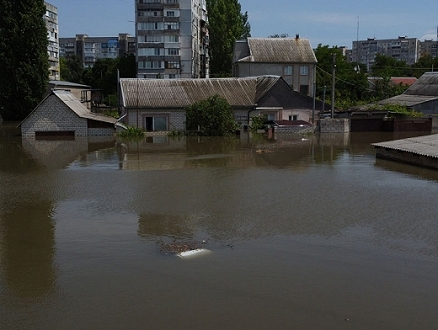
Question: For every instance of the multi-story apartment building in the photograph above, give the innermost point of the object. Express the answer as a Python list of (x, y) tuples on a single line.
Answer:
[(429, 47), (403, 49), (90, 49), (172, 39), (51, 20)]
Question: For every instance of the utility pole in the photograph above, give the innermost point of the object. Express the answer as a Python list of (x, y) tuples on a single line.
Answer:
[(333, 84)]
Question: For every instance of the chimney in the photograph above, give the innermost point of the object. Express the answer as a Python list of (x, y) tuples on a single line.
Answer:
[(297, 36)]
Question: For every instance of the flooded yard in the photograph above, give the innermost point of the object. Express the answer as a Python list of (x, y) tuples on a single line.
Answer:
[(302, 232)]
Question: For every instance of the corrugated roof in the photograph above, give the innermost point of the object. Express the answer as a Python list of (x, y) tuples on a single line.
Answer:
[(426, 85), (407, 100), (181, 93), (423, 145), (280, 50), (77, 107)]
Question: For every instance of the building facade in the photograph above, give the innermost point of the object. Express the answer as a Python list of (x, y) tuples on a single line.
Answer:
[(291, 58), (51, 20), (429, 47), (403, 49), (172, 39), (90, 49)]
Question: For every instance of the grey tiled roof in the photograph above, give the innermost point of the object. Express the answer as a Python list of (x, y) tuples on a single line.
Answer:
[(279, 50), (181, 93)]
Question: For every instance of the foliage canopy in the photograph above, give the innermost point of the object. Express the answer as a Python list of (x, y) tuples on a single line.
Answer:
[(211, 117), (24, 64), (226, 25)]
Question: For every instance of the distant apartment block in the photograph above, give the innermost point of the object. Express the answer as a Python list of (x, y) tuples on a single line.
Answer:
[(429, 47), (172, 39), (51, 20), (90, 49), (403, 49)]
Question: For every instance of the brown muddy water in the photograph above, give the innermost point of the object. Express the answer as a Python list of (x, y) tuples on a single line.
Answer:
[(303, 233)]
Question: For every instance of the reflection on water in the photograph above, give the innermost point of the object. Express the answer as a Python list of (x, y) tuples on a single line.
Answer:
[(304, 232)]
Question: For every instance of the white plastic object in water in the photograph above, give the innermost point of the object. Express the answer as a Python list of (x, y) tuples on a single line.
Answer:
[(193, 253)]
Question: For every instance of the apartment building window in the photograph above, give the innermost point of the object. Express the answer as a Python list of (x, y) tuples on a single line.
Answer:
[(304, 70), (171, 1), (172, 51), (151, 26), (149, 1), (150, 64), (150, 38), (287, 71), (172, 25), (149, 13), (170, 13), (173, 65), (150, 51), (172, 38)]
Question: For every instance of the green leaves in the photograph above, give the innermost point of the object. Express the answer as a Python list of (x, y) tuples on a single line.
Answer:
[(23, 57), (211, 117), (226, 25)]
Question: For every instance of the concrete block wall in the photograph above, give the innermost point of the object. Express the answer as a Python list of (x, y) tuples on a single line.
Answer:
[(334, 125), (53, 115), (101, 131)]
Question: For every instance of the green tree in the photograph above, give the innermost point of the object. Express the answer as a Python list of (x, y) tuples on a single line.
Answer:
[(424, 64), (387, 66), (351, 85), (71, 69), (24, 62), (211, 117), (226, 25), (103, 74)]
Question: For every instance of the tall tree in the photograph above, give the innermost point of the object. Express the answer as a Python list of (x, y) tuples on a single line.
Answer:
[(351, 81), (71, 69), (23, 57), (226, 25)]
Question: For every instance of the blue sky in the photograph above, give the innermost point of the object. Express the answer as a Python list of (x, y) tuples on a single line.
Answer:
[(327, 22)]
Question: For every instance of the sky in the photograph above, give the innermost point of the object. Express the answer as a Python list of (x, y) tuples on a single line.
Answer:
[(326, 22)]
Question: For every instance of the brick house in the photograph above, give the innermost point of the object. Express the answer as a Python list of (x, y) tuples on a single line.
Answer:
[(61, 114), (159, 105)]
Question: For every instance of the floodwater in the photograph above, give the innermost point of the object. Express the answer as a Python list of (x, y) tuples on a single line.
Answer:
[(302, 233)]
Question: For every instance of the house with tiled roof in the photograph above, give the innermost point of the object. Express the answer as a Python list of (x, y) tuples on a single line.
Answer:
[(291, 58), (159, 105)]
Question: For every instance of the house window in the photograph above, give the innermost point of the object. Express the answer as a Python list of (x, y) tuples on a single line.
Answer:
[(304, 70), (287, 71), (155, 123), (293, 117)]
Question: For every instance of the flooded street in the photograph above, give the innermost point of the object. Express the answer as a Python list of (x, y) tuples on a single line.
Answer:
[(303, 233)]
